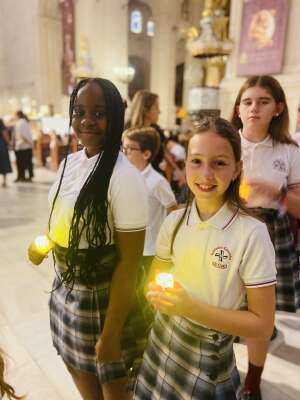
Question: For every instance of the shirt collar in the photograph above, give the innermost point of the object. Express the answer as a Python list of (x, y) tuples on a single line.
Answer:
[(268, 141), (88, 160), (221, 220), (147, 170)]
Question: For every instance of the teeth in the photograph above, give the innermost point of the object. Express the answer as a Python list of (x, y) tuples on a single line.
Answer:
[(205, 187)]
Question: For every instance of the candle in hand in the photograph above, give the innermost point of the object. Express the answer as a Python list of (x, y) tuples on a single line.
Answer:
[(43, 244), (244, 191), (165, 280)]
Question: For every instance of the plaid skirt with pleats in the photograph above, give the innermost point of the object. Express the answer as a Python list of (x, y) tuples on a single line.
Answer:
[(185, 361), (287, 260), (76, 319)]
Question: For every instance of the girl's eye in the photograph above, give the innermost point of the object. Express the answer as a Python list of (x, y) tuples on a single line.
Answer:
[(195, 161), (220, 163), (78, 113), (100, 114)]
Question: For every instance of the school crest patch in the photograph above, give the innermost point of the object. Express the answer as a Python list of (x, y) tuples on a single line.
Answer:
[(279, 165), (221, 257)]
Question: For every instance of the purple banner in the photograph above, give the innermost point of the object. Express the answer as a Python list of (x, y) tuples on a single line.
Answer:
[(262, 38)]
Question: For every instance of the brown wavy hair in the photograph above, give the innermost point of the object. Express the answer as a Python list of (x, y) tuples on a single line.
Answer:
[(142, 101), (5, 388)]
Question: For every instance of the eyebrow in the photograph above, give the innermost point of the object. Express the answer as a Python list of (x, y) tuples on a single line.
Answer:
[(217, 156), (260, 98), (95, 106)]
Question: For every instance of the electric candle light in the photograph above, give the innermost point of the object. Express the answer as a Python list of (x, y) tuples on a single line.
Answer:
[(43, 244), (244, 191), (165, 280)]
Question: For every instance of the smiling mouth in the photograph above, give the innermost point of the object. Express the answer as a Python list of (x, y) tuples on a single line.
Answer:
[(205, 188)]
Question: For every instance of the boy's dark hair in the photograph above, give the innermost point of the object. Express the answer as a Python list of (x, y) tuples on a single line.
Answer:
[(90, 211), (227, 131), (147, 138)]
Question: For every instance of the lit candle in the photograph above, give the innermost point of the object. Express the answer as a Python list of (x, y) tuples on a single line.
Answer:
[(43, 244), (165, 280)]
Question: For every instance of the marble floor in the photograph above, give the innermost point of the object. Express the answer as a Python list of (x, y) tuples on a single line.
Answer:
[(34, 368)]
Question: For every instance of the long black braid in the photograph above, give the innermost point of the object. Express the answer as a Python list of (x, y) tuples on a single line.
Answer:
[(90, 210)]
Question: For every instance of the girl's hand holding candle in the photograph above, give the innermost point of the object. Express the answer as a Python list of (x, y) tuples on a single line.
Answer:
[(39, 248)]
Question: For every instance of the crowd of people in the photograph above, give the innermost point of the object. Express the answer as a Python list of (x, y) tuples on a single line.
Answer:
[(219, 214)]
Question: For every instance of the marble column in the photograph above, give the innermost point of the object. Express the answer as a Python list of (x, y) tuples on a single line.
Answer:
[(163, 58), (105, 25)]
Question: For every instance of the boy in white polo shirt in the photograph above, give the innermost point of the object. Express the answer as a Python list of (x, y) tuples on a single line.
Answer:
[(140, 146)]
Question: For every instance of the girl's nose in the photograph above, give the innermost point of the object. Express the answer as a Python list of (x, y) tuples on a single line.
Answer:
[(207, 171), (89, 119)]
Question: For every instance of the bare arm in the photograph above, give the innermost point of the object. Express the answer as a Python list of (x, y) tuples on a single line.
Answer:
[(293, 201), (130, 247)]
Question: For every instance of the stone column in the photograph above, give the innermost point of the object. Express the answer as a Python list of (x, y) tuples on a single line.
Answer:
[(163, 58), (290, 75), (105, 25)]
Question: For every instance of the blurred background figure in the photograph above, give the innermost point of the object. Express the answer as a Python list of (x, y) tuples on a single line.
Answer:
[(5, 167), (23, 145), (144, 111)]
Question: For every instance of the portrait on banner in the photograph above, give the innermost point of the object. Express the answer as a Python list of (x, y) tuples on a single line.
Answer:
[(262, 38)]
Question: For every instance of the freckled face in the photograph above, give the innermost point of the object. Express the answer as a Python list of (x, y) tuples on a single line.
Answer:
[(89, 119), (210, 166)]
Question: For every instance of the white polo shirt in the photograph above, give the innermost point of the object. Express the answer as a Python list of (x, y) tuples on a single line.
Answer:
[(277, 163), (216, 259), (160, 197), (127, 197)]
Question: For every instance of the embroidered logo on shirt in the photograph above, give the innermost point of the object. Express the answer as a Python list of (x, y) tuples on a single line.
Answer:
[(279, 165), (221, 257)]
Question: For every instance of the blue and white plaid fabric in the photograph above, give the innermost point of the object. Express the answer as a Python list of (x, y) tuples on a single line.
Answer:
[(287, 261), (184, 361), (77, 319)]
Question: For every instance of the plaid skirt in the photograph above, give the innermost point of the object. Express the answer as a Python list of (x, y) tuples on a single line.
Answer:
[(76, 319), (287, 261), (185, 361)]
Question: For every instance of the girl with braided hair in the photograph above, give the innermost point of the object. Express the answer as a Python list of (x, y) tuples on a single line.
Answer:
[(97, 225)]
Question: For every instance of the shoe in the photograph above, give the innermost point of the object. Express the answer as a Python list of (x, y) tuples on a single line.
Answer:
[(277, 339), (251, 396)]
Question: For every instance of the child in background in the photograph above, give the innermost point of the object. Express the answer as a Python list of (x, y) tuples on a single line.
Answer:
[(216, 253), (271, 172), (141, 146)]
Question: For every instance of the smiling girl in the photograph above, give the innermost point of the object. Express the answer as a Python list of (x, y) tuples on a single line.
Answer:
[(97, 326), (216, 253)]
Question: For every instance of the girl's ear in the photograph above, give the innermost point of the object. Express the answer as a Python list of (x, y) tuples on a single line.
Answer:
[(147, 155), (279, 108)]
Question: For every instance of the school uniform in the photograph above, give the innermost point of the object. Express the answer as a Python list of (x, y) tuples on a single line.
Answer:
[(160, 198), (77, 313), (279, 164), (214, 261)]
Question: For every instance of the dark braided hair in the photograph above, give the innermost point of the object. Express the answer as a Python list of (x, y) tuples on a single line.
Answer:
[(90, 210)]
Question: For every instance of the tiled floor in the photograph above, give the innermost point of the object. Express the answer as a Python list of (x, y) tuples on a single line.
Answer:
[(33, 366)]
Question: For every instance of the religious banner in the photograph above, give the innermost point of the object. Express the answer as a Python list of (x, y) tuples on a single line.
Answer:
[(262, 37), (67, 7)]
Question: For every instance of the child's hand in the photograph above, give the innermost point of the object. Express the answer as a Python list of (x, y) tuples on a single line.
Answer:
[(171, 301), (34, 255), (265, 189)]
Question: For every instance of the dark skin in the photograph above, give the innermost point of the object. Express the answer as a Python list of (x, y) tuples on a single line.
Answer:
[(89, 122)]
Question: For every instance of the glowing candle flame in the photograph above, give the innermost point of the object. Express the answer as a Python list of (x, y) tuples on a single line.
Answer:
[(43, 244), (244, 191), (165, 280)]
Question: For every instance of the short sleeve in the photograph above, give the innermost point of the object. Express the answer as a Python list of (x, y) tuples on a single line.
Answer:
[(128, 201), (163, 242), (164, 194), (294, 169), (258, 268)]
